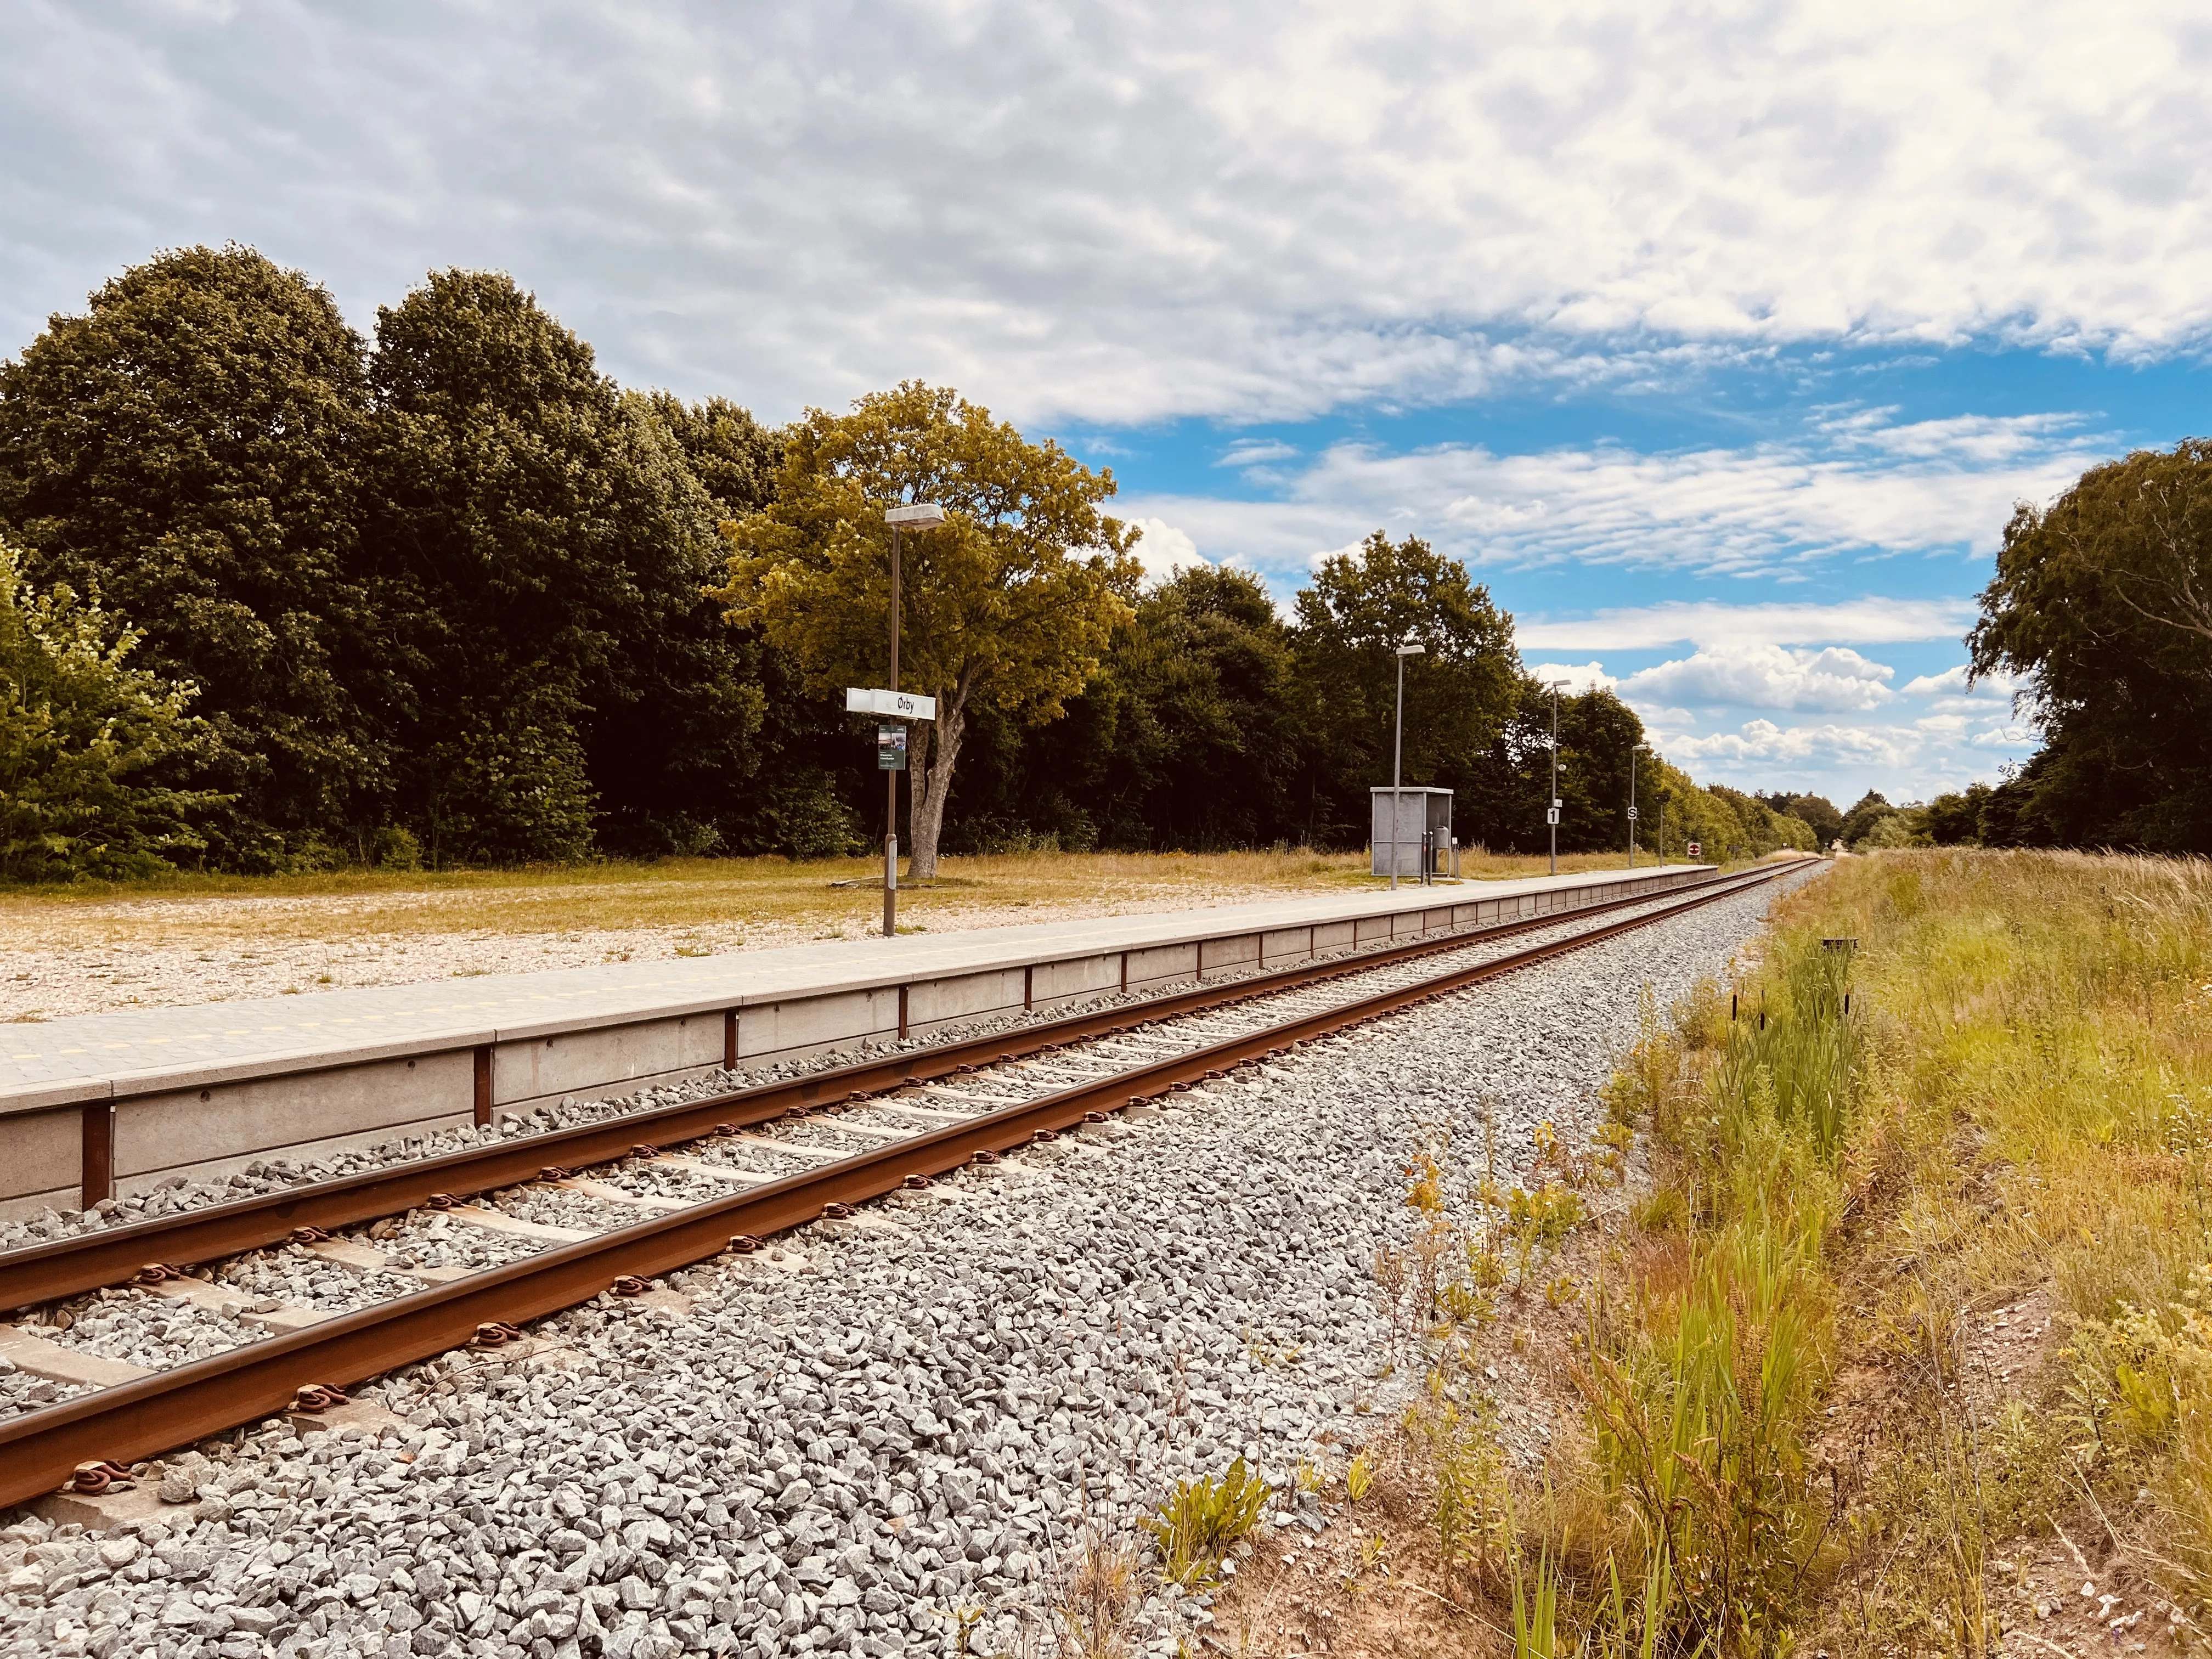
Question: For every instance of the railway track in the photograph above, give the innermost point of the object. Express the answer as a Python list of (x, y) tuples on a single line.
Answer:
[(841, 1137)]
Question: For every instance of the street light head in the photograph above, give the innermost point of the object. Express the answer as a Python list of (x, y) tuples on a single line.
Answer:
[(920, 516), (1412, 648)]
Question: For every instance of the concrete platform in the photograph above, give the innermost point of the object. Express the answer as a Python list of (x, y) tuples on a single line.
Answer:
[(116, 1103)]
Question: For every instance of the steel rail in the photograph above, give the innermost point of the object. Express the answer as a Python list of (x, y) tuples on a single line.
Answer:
[(71, 1267), (129, 1421)]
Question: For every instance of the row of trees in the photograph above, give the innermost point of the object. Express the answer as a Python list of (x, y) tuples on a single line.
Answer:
[(1213, 721), (445, 589), (279, 597)]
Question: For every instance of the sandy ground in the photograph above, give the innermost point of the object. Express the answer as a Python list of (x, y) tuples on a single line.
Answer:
[(167, 952)]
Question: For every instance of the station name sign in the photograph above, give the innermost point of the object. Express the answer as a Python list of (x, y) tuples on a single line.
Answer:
[(899, 705)]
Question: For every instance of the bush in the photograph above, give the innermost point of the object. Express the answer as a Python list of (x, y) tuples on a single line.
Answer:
[(808, 821), (78, 729)]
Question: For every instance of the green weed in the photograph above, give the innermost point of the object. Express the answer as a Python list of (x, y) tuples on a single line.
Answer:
[(1203, 1520)]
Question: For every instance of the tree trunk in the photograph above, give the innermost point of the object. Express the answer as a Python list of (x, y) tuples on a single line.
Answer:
[(938, 751)]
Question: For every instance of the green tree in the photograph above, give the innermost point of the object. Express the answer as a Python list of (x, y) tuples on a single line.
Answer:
[(793, 801), (1504, 802), (1867, 814), (1010, 603), (733, 456), (1817, 813), (1699, 815), (1459, 694), (1187, 739), (188, 447), (83, 740), (2102, 604), (1598, 735), (548, 546), (1954, 819), (1764, 830)]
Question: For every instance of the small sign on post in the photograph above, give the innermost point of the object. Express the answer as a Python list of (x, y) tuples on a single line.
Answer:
[(890, 749), (1551, 815), (899, 705), (1695, 850)]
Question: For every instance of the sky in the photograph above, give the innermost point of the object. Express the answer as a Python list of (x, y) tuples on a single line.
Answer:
[(1719, 341)]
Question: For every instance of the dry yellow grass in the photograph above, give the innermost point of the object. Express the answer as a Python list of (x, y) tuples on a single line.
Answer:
[(773, 896), (209, 938)]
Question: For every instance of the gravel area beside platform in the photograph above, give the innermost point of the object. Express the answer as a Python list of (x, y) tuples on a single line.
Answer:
[(890, 1436)]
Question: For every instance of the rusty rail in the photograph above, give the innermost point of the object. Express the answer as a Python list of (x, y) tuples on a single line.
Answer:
[(70, 1266), (133, 1420)]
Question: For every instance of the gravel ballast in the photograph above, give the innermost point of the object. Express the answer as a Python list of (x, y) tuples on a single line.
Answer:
[(177, 1194), (880, 1431)]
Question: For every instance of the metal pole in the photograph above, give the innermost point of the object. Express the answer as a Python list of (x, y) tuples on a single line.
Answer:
[(891, 778), (1397, 750), (1551, 801), (1632, 806)]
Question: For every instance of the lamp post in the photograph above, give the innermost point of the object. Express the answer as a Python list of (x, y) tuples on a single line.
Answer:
[(1410, 647), (922, 516), (1633, 769), (1551, 812)]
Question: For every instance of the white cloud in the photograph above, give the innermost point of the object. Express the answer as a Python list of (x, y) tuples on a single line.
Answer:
[(1910, 761), (1163, 549), (1870, 621), (1762, 743), (1768, 508), (1586, 676), (1255, 451), (1952, 684), (1837, 679), (1137, 211)]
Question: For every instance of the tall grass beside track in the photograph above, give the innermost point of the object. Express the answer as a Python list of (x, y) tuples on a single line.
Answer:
[(1792, 1439)]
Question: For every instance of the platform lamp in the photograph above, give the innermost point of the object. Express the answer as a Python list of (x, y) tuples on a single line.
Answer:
[(922, 516), (1633, 769), (1551, 811), (1410, 647)]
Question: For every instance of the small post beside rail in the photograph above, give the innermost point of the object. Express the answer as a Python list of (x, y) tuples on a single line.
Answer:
[(96, 1171)]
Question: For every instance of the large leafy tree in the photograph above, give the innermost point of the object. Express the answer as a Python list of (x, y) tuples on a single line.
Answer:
[(1816, 812), (188, 447), (793, 801), (1598, 735), (1459, 693), (733, 455), (85, 740), (1868, 814), (548, 546), (1010, 603), (1207, 747), (2102, 603), (1188, 738)]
